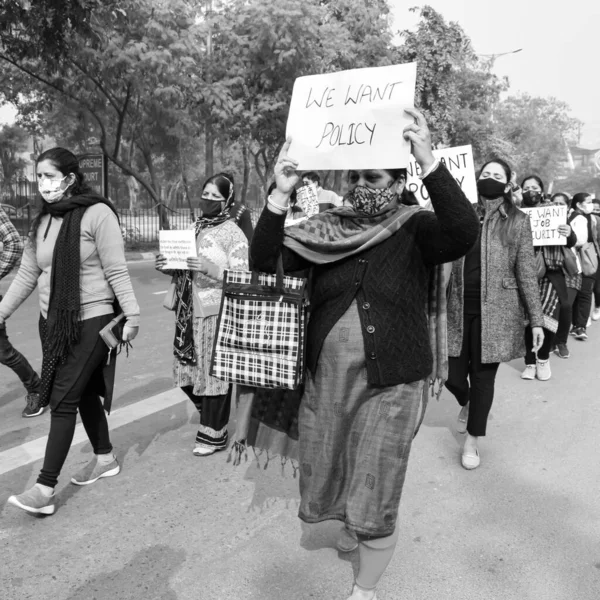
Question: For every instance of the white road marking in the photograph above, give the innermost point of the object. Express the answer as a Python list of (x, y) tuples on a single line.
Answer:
[(159, 293), (29, 452)]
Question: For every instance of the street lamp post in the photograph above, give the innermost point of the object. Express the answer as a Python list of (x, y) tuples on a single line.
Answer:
[(491, 58)]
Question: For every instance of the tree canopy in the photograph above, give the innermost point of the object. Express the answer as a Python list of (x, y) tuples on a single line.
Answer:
[(172, 90)]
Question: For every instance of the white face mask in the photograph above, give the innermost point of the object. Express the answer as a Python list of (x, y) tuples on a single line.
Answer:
[(51, 191), (587, 209)]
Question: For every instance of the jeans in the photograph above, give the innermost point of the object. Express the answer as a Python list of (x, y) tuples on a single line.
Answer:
[(14, 360), (470, 380)]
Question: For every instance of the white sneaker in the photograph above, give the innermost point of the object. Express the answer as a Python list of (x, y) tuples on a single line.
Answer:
[(470, 459), (542, 370), (596, 314), (529, 372), (358, 594)]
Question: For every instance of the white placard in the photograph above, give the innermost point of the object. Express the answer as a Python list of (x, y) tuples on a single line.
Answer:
[(308, 199), (352, 119), (544, 224), (177, 245), (458, 160)]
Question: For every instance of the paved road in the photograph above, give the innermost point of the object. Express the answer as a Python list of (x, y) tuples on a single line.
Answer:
[(525, 526)]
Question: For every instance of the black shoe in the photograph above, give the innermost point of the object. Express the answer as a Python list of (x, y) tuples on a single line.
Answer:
[(562, 351), (580, 334), (34, 406)]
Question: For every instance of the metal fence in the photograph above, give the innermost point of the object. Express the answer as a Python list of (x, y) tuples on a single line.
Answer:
[(139, 228)]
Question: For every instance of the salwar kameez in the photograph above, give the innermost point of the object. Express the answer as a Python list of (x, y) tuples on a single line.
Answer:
[(355, 438)]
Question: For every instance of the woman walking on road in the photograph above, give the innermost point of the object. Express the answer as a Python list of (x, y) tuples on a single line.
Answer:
[(553, 289), (586, 229), (368, 361), (75, 256), (221, 245), (492, 292)]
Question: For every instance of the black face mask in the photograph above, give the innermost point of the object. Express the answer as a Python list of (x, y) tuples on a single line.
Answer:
[(531, 198), (209, 208), (490, 188)]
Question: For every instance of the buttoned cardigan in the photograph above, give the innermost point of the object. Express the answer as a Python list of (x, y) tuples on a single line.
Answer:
[(389, 282)]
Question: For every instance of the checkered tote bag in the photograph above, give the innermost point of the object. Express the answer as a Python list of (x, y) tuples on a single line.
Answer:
[(261, 330)]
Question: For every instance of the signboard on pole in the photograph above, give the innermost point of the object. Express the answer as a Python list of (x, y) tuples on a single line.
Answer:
[(458, 160), (95, 171), (544, 224), (352, 119)]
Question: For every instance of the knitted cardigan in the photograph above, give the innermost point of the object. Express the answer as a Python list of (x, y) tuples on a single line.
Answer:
[(389, 282)]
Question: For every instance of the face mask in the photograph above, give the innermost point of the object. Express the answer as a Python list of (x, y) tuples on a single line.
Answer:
[(51, 191), (367, 201), (210, 208), (586, 209), (490, 188), (531, 198)]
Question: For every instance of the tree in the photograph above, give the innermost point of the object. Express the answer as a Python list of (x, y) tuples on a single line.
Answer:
[(454, 89), (537, 130), (13, 141), (131, 78)]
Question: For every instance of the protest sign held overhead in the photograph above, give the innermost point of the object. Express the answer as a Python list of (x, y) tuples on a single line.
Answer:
[(458, 160), (177, 245), (352, 119), (544, 224)]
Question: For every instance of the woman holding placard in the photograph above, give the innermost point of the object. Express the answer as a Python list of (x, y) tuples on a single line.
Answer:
[(491, 291), (221, 245), (376, 336), (552, 262), (586, 229), (76, 258)]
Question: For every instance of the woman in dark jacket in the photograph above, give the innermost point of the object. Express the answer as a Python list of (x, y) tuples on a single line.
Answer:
[(368, 343), (553, 289), (493, 290)]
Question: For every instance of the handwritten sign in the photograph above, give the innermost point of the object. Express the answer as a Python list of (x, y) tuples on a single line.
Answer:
[(177, 245), (308, 199), (352, 119), (458, 160), (544, 224)]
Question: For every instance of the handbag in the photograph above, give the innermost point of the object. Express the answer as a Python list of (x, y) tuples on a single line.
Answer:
[(589, 259), (570, 264), (170, 299), (261, 329)]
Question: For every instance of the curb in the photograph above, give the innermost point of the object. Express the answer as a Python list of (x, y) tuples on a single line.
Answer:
[(136, 256)]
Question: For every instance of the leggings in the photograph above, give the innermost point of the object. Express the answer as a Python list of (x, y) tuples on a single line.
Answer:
[(76, 388), (375, 555)]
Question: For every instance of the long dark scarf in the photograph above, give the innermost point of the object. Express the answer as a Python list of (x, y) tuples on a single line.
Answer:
[(62, 326), (183, 344)]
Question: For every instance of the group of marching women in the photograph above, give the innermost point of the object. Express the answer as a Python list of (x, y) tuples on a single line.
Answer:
[(437, 295)]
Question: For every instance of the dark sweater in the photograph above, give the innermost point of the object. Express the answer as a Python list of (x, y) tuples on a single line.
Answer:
[(389, 282)]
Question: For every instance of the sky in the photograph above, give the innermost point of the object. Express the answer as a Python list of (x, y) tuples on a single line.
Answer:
[(560, 44), (560, 49)]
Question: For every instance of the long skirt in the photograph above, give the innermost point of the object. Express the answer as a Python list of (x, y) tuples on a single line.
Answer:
[(354, 438), (197, 375)]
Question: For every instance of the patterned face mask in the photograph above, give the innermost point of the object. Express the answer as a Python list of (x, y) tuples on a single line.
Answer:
[(368, 201)]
